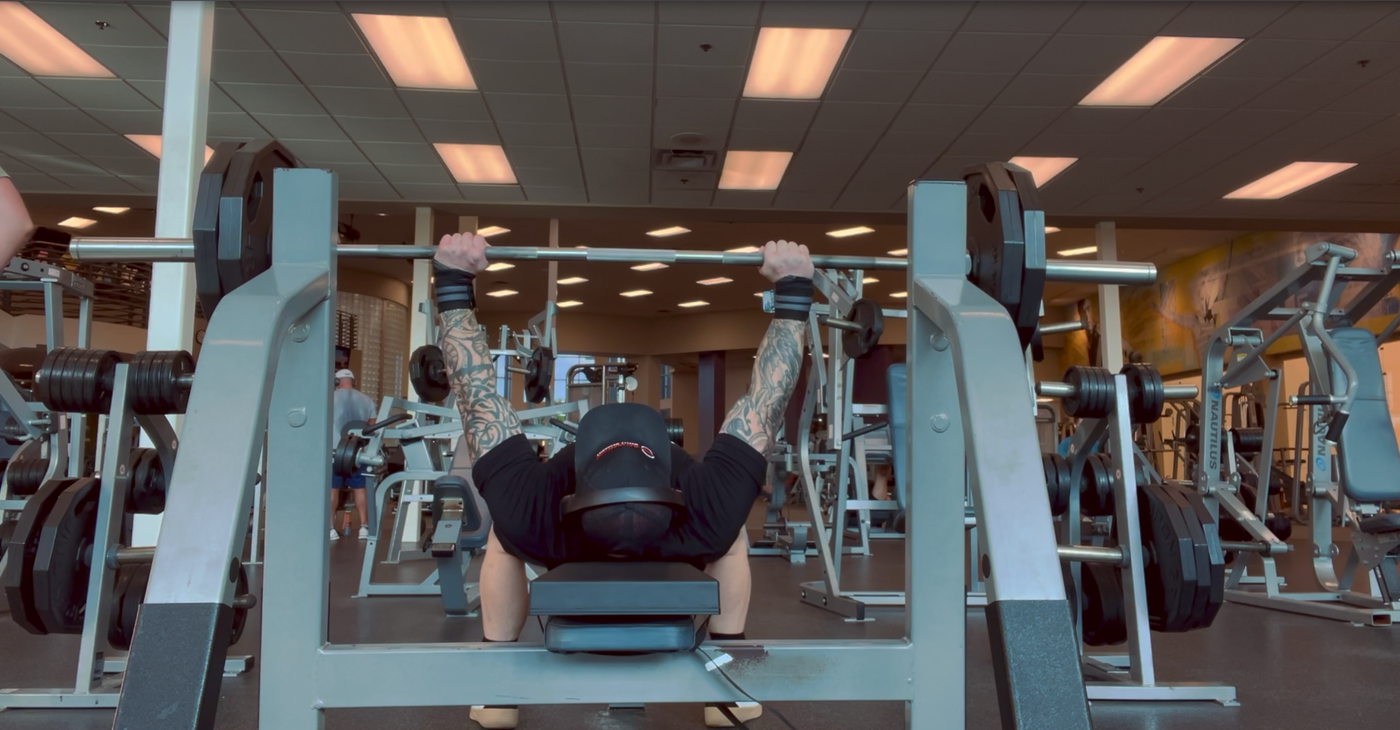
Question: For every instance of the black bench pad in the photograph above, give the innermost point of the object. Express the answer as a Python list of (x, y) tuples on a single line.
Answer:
[(621, 634), (624, 589)]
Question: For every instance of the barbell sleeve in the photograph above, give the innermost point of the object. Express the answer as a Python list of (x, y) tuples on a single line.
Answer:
[(1054, 389), (1091, 554), (1059, 328), (1180, 392), (839, 324)]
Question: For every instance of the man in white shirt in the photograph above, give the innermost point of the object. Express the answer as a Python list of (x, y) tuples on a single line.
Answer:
[(350, 405)]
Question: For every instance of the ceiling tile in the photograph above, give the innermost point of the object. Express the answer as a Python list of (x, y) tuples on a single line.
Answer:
[(55, 164), (507, 40), (563, 177), (13, 166), (526, 156), (620, 136), (595, 11), (694, 112), (146, 183), (147, 166), (987, 146), (923, 145), (606, 42), (363, 129), (830, 141), (771, 113), (1271, 59), (26, 92), (231, 30), (77, 21), (449, 105), (1335, 21), (854, 115), (10, 125), (58, 120), (352, 172), (98, 94), (1166, 121), (547, 135), (1126, 146), (273, 99), (687, 180), (400, 154), (1017, 16), (97, 183), (820, 172), (522, 77), (1330, 126), (1306, 94), (743, 199), (682, 198), (11, 70), (306, 126), (536, 108), (25, 145), (936, 118), (427, 192), (131, 62), (1046, 90), (556, 195), (989, 52), (367, 191), (510, 9), (915, 16), (1225, 19), (1345, 62), (423, 8), (613, 195), (1098, 55), (1209, 92), (251, 67), (492, 193), (694, 12), (960, 88), (682, 45), (804, 200), (1144, 18), (442, 130), (747, 138), (307, 32), (1251, 124), (360, 102), (1094, 120), (857, 85), (811, 14), (598, 164), (327, 152), (336, 69), (609, 78), (309, 6), (611, 110), (868, 197), (218, 100), (98, 145), (893, 50), (1016, 121), (723, 82), (433, 173), (1384, 29)]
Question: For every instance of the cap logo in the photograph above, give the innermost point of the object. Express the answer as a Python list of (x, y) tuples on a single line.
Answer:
[(630, 444)]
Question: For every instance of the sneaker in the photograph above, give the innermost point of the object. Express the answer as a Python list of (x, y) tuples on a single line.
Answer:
[(496, 718), (364, 532), (334, 535), (744, 711)]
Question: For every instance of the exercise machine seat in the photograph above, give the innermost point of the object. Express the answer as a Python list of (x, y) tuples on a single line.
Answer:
[(623, 608), (1380, 524), (1366, 451), (899, 422)]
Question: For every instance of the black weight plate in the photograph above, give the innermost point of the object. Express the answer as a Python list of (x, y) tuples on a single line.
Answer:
[(60, 571), (91, 382), (147, 493), (1170, 572), (117, 634), (868, 314), (47, 379), (7, 529), (1056, 481), (67, 374), (345, 463), (245, 212), (206, 227), (427, 372), (1096, 486), (164, 393), (539, 375), (1216, 589), (25, 476), (24, 545), (1006, 263), (1153, 392), (675, 430), (1200, 548), (132, 597), (1105, 616), (104, 364), (240, 615)]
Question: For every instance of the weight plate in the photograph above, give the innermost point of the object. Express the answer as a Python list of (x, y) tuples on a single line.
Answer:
[(23, 546), (345, 462), (1146, 392), (206, 227), (868, 314), (245, 212), (1006, 263), (117, 634), (539, 375), (1057, 483), (1093, 392), (60, 570), (25, 476), (240, 615), (126, 605), (1216, 588), (21, 364), (1096, 486), (675, 431), (47, 379), (427, 372), (1200, 549), (1105, 617), (7, 530), (147, 494), (1169, 571)]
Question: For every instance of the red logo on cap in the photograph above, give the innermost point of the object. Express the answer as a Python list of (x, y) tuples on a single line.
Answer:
[(620, 444)]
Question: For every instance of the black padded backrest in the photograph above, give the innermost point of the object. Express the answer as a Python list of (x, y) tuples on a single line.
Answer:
[(624, 589), (1367, 452)]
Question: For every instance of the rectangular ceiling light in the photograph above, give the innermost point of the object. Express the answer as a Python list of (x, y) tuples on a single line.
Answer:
[(418, 52), (848, 232), (76, 222), (870, 280), (1078, 251), (40, 49), (649, 267), (151, 144), (899, 252), (794, 63), (716, 280), (489, 231), (476, 163), (502, 293), (566, 305), (1051, 229), (899, 294), (664, 232), (571, 280), (696, 303), (746, 170), (1164, 65), (112, 210), (743, 249), (636, 293), (500, 266), (1289, 180), (1044, 169)]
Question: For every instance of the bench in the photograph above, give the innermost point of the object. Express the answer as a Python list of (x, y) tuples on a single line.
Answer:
[(623, 608)]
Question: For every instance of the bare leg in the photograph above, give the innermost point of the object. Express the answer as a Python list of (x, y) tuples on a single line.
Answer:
[(335, 505), (505, 598), (362, 506), (735, 584)]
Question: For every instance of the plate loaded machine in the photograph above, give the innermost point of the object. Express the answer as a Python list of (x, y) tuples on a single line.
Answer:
[(1351, 440), (67, 570), (1168, 573), (964, 350)]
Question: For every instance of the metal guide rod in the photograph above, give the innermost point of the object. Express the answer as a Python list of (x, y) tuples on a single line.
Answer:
[(1057, 328), (182, 249), (1091, 554), (1053, 389)]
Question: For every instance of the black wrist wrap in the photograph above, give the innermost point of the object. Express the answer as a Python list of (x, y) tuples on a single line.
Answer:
[(453, 288), (792, 297)]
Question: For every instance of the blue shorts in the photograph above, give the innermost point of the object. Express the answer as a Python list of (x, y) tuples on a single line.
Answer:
[(355, 482)]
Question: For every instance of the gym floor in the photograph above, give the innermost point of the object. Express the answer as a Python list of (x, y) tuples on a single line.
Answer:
[(1289, 670)]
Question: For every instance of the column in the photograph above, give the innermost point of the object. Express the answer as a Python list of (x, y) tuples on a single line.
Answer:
[(1110, 319), (711, 400)]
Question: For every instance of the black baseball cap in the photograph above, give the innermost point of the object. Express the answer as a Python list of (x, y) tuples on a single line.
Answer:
[(623, 500)]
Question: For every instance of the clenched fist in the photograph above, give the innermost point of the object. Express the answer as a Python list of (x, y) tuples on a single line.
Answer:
[(785, 258), (465, 251)]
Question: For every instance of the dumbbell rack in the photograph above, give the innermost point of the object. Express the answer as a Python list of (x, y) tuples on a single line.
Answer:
[(98, 680)]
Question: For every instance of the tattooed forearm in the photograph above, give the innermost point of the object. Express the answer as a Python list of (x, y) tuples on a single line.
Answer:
[(755, 417), (487, 418)]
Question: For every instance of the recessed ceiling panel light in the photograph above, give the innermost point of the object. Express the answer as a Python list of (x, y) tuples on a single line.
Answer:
[(500, 266), (502, 293), (1164, 65), (848, 232), (654, 266), (664, 232), (635, 293), (571, 280), (747, 170), (76, 222), (716, 280), (418, 52), (899, 252), (899, 294), (1051, 229), (1044, 169), (743, 249), (870, 280), (1289, 180), (566, 305), (111, 209), (1078, 251), (40, 49), (794, 63), (696, 303), (759, 293), (489, 231), (476, 163), (151, 143)]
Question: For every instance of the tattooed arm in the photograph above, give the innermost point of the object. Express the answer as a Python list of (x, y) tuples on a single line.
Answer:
[(756, 415), (487, 418)]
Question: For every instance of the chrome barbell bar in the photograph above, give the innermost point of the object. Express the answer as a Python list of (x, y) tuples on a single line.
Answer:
[(1053, 389)]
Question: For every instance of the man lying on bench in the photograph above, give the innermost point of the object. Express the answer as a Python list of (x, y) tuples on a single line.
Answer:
[(621, 492)]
